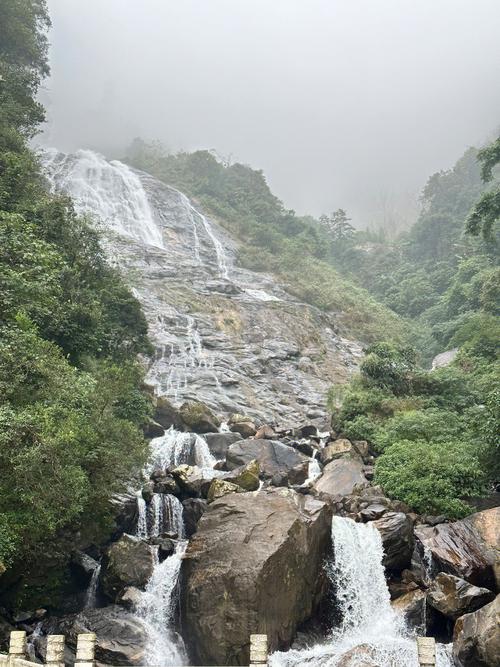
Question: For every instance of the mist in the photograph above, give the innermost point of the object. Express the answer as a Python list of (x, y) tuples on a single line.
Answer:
[(342, 103)]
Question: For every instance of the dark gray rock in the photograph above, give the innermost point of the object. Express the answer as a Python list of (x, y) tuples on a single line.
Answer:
[(127, 562), (455, 597), (218, 443), (192, 513), (121, 637), (396, 530), (476, 639), (274, 457)]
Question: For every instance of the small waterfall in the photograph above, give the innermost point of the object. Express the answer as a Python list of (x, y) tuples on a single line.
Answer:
[(91, 596), (171, 449), (203, 457), (370, 632), (142, 525), (220, 253), (110, 190), (158, 602)]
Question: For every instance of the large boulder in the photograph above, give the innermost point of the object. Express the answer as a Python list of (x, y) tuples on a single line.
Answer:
[(476, 637), (198, 417), (255, 565), (121, 637), (412, 605), (128, 562), (455, 597), (192, 480), (218, 443), (336, 450), (274, 457), (166, 414), (220, 487), (396, 530), (246, 429), (467, 548), (340, 478), (193, 509)]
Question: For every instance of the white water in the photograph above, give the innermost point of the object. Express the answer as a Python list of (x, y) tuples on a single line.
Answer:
[(110, 189), (158, 602), (369, 624), (91, 597)]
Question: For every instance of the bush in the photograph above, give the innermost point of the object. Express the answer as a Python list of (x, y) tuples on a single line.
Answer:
[(431, 477)]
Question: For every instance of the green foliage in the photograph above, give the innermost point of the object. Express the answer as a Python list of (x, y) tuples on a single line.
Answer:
[(431, 476), (71, 402), (486, 211)]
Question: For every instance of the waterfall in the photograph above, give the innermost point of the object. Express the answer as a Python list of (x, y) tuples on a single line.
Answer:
[(370, 631), (158, 602), (91, 595), (220, 253), (142, 526), (109, 189)]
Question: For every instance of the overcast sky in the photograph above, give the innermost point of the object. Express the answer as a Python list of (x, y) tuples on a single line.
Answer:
[(342, 103)]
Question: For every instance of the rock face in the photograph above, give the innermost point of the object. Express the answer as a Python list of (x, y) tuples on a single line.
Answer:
[(466, 548), (198, 417), (454, 597), (476, 638), (335, 450), (218, 443), (396, 530), (128, 562), (340, 478), (254, 565), (166, 414), (121, 637), (274, 457)]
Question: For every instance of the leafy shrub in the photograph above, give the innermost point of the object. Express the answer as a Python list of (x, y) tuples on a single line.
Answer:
[(431, 477)]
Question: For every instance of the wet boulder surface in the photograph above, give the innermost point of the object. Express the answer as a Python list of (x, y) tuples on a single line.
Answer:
[(255, 565), (476, 640)]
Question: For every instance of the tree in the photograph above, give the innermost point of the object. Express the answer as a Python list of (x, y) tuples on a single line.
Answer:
[(486, 211), (338, 226)]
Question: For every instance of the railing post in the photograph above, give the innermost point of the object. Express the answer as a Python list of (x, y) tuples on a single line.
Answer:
[(426, 647), (85, 650), (54, 656), (258, 650), (17, 646)]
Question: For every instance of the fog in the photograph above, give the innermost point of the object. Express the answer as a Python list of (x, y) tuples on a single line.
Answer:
[(342, 103)]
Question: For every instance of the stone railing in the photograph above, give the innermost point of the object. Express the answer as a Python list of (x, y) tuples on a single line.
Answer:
[(85, 651)]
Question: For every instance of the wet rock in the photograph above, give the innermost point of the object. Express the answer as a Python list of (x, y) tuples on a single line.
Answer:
[(274, 458), (166, 414), (218, 443), (129, 597), (198, 417), (192, 513), (476, 639), (246, 477), (246, 429), (359, 656), (306, 431), (255, 565), (340, 478), (465, 548), (298, 474), (147, 491), (454, 597), (165, 484), (191, 480), (265, 433), (153, 429), (413, 607), (121, 637), (305, 447), (396, 530), (373, 512), (83, 567), (336, 450), (369, 472), (221, 487), (128, 562)]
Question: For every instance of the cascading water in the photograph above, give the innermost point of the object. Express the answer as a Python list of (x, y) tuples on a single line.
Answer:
[(158, 602), (110, 190), (164, 514), (371, 632), (91, 596)]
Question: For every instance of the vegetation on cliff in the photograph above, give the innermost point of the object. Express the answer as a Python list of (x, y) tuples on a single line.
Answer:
[(71, 403)]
